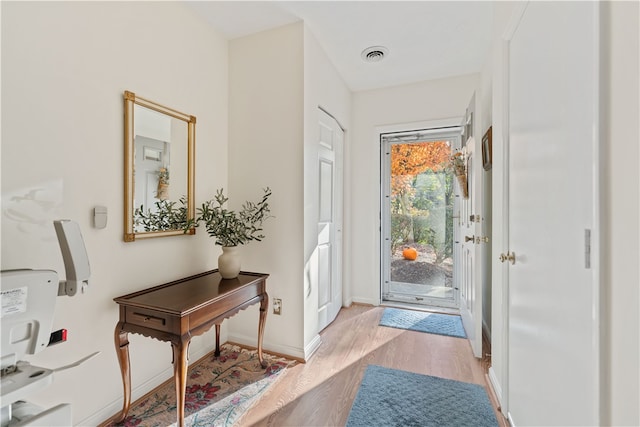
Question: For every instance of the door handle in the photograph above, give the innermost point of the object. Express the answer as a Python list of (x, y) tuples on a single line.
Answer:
[(509, 256), (469, 238)]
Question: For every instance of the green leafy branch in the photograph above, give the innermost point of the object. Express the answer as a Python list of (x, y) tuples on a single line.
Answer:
[(166, 216), (231, 228)]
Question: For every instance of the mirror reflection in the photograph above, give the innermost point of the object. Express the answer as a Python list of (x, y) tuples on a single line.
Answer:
[(159, 154)]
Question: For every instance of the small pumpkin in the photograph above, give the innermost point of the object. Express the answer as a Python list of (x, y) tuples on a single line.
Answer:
[(410, 253)]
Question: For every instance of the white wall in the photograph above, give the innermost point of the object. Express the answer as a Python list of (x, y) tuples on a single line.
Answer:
[(65, 66), (323, 87), (266, 132), (278, 78), (430, 100), (621, 212)]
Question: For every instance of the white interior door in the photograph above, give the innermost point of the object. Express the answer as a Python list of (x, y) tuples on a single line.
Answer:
[(470, 239), (330, 152), (552, 203)]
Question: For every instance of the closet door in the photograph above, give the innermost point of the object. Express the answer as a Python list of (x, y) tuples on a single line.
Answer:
[(553, 346), (330, 151)]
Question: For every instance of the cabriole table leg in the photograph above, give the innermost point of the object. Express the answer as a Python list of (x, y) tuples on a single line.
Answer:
[(217, 351), (122, 349), (180, 368), (264, 305)]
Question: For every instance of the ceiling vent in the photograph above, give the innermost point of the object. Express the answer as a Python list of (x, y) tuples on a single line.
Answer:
[(374, 53)]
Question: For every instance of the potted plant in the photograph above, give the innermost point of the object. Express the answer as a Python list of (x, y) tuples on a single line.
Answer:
[(230, 228)]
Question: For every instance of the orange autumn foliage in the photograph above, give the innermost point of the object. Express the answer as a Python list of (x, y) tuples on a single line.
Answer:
[(409, 160)]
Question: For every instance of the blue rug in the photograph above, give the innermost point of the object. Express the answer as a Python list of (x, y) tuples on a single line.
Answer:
[(389, 397), (431, 323)]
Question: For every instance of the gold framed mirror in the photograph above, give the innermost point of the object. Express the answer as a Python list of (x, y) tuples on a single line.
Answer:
[(159, 162)]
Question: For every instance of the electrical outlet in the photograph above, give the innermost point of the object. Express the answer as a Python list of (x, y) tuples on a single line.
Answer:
[(277, 306)]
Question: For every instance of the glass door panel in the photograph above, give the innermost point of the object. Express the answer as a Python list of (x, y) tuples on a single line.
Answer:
[(418, 206)]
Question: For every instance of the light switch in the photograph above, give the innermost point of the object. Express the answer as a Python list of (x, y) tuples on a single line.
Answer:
[(100, 216)]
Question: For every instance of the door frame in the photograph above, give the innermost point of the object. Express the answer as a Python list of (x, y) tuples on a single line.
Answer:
[(379, 132), (499, 378), (439, 133)]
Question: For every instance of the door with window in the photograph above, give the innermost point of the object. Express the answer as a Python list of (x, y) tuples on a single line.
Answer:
[(418, 200)]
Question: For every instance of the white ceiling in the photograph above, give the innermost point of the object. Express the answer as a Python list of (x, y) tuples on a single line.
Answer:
[(426, 39)]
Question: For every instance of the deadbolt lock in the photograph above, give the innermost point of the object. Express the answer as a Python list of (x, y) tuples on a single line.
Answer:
[(476, 240), (509, 256)]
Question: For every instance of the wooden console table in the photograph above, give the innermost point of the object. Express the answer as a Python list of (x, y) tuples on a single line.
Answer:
[(178, 310)]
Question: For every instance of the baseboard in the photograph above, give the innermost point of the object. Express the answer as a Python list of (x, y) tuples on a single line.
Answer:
[(311, 348), (137, 392), (366, 301), (284, 350), (495, 386)]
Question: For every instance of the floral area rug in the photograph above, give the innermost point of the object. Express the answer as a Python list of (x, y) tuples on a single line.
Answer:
[(219, 391)]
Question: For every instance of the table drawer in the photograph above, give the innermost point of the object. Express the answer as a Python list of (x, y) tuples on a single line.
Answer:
[(149, 319)]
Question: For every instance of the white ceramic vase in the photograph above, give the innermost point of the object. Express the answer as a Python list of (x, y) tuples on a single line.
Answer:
[(229, 262)]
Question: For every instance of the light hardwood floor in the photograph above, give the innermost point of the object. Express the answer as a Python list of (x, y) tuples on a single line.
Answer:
[(321, 391)]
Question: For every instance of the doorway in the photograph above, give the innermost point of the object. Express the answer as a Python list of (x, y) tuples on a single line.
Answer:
[(418, 200)]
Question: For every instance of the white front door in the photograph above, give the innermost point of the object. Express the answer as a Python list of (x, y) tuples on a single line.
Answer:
[(330, 152), (470, 239), (553, 347)]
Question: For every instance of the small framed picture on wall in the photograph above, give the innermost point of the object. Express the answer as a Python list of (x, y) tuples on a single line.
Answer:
[(487, 154)]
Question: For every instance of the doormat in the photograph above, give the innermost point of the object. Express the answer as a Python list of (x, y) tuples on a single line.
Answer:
[(219, 391), (390, 397), (421, 321)]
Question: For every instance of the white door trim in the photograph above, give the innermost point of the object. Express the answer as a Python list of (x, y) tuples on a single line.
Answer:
[(500, 380)]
